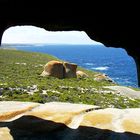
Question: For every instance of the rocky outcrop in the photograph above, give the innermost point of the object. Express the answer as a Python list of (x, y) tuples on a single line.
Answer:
[(103, 77), (125, 91), (66, 121), (54, 68), (112, 32), (70, 70), (81, 74), (59, 69)]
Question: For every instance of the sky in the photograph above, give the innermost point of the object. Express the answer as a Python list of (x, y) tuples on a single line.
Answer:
[(33, 35)]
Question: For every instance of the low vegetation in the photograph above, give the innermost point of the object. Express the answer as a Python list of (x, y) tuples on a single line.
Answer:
[(20, 80)]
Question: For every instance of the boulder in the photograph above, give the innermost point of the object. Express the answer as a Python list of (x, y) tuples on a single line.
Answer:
[(81, 74), (67, 121), (103, 77), (59, 69), (54, 68), (70, 70)]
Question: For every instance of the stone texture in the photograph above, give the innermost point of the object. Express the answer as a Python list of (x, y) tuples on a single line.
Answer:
[(54, 68), (70, 70), (102, 77), (112, 32), (59, 69), (125, 91), (66, 121), (81, 74), (12, 109)]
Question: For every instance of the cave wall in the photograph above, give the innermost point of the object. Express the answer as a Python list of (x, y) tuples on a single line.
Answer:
[(113, 24)]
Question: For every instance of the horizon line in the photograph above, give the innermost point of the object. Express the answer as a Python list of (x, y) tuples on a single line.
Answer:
[(52, 44)]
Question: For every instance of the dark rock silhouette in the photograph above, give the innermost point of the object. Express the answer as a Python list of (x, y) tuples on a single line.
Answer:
[(67, 121), (115, 24), (34, 128)]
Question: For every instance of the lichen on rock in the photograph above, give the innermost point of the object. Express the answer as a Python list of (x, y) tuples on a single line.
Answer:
[(57, 120)]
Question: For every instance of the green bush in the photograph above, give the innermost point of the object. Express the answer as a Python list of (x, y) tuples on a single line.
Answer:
[(18, 77)]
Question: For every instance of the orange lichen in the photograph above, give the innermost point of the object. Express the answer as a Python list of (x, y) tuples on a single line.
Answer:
[(9, 115), (131, 126), (94, 119)]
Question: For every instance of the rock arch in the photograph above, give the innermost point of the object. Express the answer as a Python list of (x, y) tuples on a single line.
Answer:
[(115, 26)]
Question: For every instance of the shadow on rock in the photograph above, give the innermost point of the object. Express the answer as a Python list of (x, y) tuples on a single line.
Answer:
[(34, 128)]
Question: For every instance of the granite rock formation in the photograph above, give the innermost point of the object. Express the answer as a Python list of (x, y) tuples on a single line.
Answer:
[(112, 23), (59, 69), (54, 68), (70, 70), (81, 74), (49, 121), (103, 77)]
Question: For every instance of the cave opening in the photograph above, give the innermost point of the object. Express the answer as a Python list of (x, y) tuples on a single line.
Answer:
[(65, 66), (75, 47)]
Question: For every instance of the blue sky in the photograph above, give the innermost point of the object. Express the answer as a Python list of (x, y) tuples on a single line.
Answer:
[(32, 34)]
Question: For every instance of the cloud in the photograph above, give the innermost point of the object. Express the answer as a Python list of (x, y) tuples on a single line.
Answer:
[(32, 34)]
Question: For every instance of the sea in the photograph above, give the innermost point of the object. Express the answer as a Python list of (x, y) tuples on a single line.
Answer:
[(114, 62)]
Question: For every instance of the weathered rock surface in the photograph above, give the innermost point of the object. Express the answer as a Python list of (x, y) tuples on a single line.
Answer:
[(102, 77), (54, 68), (70, 70), (125, 91), (65, 121), (81, 74), (59, 69)]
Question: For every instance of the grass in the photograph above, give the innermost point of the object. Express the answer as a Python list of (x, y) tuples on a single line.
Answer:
[(20, 70)]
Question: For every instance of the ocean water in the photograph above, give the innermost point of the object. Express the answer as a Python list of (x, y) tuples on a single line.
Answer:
[(114, 62)]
